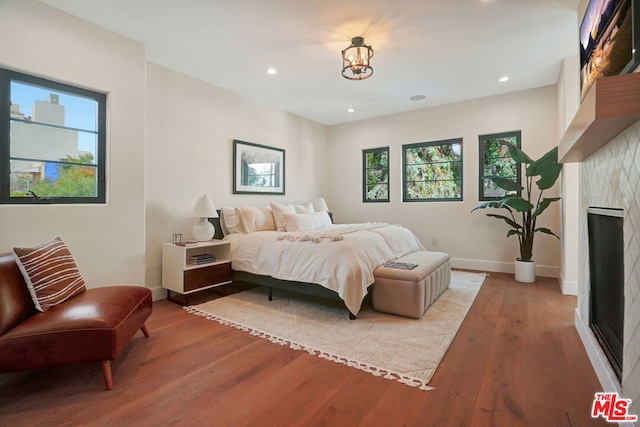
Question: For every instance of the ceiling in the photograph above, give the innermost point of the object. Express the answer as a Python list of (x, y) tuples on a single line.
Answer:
[(446, 50)]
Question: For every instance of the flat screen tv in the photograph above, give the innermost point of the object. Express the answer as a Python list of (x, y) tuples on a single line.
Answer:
[(608, 40)]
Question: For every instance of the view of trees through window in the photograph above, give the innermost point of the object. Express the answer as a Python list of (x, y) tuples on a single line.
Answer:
[(495, 161), (55, 150), (73, 175), (432, 171), (376, 175)]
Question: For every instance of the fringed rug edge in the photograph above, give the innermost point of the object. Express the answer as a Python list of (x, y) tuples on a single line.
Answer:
[(365, 367)]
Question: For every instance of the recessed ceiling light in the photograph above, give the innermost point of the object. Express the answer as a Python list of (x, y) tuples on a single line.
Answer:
[(417, 97), (271, 71), (503, 79), (350, 110)]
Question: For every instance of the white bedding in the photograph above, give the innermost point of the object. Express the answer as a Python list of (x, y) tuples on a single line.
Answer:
[(339, 257)]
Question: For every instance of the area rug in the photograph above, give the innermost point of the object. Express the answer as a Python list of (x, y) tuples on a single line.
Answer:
[(396, 348)]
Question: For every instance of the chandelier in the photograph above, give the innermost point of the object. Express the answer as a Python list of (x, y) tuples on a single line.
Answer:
[(356, 60)]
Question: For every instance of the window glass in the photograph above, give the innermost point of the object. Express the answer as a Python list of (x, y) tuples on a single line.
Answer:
[(54, 150), (432, 171), (376, 175), (496, 161)]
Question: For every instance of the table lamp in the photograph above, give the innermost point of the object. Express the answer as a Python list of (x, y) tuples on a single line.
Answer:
[(204, 209)]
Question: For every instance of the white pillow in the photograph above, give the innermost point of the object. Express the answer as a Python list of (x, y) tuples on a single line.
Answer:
[(303, 209), (307, 221), (278, 212), (230, 221), (256, 219)]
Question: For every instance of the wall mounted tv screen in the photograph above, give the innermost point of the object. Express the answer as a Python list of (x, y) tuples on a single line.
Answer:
[(608, 40)]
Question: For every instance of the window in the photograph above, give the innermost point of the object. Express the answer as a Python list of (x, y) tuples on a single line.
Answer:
[(52, 141), (432, 171), (496, 161), (375, 170)]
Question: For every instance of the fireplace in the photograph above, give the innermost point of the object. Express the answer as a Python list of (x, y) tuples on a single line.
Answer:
[(606, 268)]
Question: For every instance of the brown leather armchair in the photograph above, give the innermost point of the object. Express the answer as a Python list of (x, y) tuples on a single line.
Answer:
[(93, 326)]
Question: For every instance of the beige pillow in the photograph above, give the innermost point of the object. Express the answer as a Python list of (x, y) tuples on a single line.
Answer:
[(307, 221), (306, 208), (50, 272), (278, 212), (231, 221), (256, 218)]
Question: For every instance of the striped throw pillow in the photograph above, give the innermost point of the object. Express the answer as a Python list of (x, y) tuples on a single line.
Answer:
[(50, 272)]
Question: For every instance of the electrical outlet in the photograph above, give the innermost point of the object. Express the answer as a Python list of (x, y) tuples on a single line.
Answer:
[(434, 241)]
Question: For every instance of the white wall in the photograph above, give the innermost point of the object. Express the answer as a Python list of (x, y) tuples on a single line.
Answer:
[(191, 126), (107, 241), (568, 103), (472, 239)]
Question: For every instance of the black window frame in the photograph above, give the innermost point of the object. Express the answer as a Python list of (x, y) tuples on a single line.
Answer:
[(8, 76), (451, 141), (365, 168), (482, 140)]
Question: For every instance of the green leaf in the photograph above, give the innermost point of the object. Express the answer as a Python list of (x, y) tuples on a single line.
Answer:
[(518, 155), (505, 183), (507, 220), (544, 204), (549, 176), (545, 231), (547, 167), (517, 203), (512, 232), (549, 158), (491, 204)]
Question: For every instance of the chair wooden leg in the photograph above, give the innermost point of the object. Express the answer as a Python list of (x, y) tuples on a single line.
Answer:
[(106, 372), (144, 330)]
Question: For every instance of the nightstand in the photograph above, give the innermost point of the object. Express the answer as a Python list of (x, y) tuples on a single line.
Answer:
[(181, 276)]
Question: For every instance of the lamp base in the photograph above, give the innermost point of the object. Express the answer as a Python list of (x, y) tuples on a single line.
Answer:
[(203, 230)]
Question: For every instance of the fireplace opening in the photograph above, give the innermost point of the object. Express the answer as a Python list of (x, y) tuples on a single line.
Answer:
[(606, 267)]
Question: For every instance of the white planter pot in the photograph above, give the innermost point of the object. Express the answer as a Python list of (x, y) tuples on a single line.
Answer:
[(525, 271)]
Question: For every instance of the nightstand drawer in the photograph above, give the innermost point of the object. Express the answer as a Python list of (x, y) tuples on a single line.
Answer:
[(207, 276)]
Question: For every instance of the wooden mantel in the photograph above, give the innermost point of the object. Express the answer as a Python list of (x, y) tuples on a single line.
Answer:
[(611, 106)]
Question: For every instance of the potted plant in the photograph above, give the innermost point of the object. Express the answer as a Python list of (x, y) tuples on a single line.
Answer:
[(524, 209)]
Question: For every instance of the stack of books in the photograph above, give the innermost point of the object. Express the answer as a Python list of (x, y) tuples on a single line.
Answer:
[(201, 259)]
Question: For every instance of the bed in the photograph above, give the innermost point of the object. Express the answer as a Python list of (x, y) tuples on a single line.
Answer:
[(324, 259)]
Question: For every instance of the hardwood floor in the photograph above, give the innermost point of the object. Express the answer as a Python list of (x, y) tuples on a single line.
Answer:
[(517, 360)]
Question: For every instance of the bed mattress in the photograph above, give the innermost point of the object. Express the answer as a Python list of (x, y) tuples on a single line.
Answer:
[(340, 257)]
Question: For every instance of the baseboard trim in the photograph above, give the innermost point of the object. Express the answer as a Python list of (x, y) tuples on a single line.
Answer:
[(158, 293), (500, 267), (568, 287), (606, 376)]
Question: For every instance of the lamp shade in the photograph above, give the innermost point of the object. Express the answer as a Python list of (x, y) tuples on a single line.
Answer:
[(203, 230), (204, 208), (320, 205)]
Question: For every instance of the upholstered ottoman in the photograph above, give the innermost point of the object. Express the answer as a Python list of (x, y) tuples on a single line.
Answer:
[(410, 292)]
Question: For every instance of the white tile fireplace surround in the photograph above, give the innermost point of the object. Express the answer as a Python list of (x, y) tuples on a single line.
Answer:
[(611, 178)]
